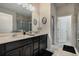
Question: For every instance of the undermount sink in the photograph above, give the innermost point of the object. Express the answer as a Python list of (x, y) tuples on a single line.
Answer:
[(31, 33), (17, 34)]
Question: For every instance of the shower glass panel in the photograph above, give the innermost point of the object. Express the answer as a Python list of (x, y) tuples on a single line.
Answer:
[(63, 29)]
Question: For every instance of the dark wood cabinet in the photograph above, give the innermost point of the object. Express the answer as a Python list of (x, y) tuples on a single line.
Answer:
[(2, 50), (15, 52), (25, 47)]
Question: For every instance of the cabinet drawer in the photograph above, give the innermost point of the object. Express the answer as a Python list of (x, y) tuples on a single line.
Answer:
[(43, 37), (12, 45), (25, 42), (13, 53), (35, 39), (16, 44)]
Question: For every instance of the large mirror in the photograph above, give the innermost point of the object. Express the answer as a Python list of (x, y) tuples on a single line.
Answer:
[(15, 17)]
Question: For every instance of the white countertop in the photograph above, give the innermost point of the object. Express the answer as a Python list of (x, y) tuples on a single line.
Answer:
[(8, 37)]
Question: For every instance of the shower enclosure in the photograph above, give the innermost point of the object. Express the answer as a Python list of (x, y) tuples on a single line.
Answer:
[(63, 30)]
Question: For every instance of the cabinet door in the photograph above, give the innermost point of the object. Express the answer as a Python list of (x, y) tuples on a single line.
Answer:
[(27, 50), (35, 42), (43, 42), (15, 52), (35, 45), (35, 48)]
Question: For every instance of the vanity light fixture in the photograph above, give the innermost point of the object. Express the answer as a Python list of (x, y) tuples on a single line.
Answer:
[(27, 6)]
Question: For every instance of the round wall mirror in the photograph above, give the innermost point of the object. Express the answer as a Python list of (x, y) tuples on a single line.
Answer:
[(35, 21), (44, 20)]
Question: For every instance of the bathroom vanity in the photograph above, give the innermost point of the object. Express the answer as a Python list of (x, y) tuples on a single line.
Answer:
[(24, 46)]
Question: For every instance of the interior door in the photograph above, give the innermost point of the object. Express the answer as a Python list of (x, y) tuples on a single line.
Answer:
[(63, 29)]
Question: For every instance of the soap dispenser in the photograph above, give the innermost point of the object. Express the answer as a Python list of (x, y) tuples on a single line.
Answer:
[(24, 33)]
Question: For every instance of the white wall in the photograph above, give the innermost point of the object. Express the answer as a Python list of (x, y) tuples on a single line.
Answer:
[(65, 10), (77, 23), (36, 15), (77, 12), (45, 12), (42, 10)]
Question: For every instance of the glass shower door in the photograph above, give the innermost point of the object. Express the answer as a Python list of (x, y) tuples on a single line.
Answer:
[(63, 29)]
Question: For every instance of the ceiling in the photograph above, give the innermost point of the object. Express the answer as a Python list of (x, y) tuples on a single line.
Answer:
[(16, 8)]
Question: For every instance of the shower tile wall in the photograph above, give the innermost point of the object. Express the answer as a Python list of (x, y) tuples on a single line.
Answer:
[(25, 25)]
